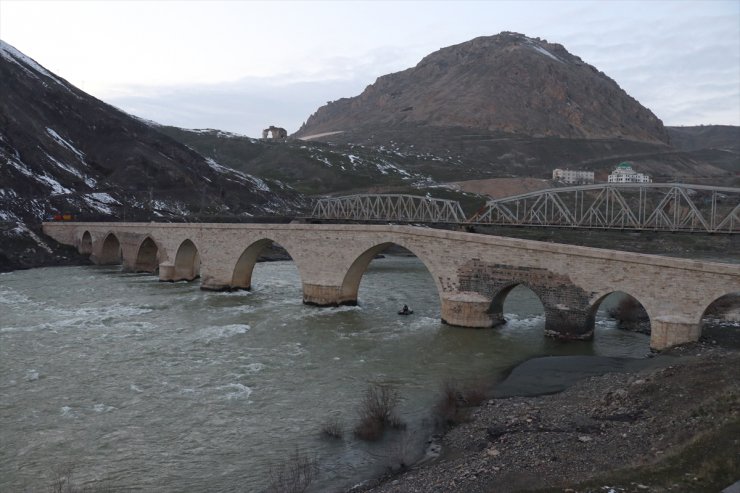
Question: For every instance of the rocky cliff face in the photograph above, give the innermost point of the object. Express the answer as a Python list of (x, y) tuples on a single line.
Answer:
[(62, 150), (505, 83)]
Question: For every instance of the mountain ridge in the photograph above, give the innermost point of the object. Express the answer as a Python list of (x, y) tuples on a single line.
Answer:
[(62, 150), (503, 83)]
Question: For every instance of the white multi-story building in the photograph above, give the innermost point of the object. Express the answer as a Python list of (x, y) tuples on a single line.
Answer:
[(624, 173), (572, 176)]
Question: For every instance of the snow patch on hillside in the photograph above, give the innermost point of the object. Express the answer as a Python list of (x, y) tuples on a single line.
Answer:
[(90, 182), (20, 166), (64, 143), (7, 216), (259, 183), (22, 230), (543, 51), (221, 134), (27, 64), (100, 202), (56, 187)]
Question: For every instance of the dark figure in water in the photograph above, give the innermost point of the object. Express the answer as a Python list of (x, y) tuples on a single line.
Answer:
[(405, 309)]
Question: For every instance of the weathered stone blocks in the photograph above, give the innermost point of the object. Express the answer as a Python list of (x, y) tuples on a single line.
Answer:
[(472, 273)]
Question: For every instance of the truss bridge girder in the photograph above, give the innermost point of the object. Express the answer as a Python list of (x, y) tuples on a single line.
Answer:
[(638, 206), (389, 207)]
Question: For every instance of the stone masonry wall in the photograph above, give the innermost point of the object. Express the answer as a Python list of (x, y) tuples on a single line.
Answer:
[(470, 270)]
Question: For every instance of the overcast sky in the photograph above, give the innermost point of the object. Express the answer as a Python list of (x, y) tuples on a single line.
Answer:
[(241, 65)]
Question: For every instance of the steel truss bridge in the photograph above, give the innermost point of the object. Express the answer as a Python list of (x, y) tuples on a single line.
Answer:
[(637, 206), (630, 206), (389, 207)]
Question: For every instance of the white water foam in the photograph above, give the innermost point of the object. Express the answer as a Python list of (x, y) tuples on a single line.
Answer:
[(215, 332), (238, 391), (241, 292), (102, 408), (10, 296), (255, 367), (89, 316), (240, 309)]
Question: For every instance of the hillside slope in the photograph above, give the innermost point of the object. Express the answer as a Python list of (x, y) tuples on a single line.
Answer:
[(63, 150), (505, 83), (508, 106)]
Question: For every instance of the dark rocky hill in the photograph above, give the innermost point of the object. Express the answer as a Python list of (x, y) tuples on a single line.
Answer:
[(61, 150), (505, 83), (694, 138), (717, 144), (507, 106)]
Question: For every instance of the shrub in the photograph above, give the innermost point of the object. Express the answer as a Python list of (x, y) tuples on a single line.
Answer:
[(294, 475), (377, 411), (401, 453), (447, 409), (63, 482), (332, 428), (453, 405)]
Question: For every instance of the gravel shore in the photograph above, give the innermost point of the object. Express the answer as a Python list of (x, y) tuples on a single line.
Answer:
[(637, 423)]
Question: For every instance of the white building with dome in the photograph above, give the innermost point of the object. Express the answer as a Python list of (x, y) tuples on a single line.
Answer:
[(624, 173)]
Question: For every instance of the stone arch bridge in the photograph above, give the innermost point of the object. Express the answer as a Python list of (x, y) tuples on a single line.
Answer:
[(473, 273)]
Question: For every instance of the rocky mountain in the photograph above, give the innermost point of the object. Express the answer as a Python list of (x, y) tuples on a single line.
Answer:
[(61, 150), (505, 83), (506, 106)]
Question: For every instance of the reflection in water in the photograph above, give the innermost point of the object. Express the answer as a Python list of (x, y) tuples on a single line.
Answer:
[(164, 387)]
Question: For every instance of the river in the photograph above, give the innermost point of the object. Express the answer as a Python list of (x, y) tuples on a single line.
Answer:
[(163, 387)]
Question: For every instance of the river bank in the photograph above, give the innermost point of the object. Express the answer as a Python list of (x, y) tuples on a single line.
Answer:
[(671, 423)]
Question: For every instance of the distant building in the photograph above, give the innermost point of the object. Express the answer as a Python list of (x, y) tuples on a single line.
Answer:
[(572, 176), (624, 173)]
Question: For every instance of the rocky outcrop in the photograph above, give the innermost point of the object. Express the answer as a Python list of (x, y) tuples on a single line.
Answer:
[(505, 83)]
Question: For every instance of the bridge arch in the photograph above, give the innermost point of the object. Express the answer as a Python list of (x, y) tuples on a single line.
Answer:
[(352, 278), (496, 307), (110, 250), (720, 314), (86, 244), (630, 312), (187, 262), (147, 256), (242, 274), (719, 304)]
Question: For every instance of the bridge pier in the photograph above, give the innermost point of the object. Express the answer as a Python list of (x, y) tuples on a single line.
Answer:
[(468, 310), (172, 273), (318, 295), (166, 271), (670, 331)]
